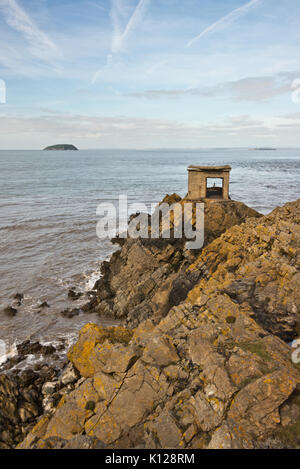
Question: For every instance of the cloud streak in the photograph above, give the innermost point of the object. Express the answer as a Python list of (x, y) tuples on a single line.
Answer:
[(40, 44), (225, 21), (119, 37), (249, 89)]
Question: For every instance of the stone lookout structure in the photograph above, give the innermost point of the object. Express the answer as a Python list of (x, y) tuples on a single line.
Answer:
[(209, 182)]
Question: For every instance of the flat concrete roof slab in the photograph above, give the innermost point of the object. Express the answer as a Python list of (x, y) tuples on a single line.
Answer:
[(209, 168)]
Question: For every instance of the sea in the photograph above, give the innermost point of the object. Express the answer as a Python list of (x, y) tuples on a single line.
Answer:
[(48, 219)]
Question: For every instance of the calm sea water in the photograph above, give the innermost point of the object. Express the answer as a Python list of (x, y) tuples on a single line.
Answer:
[(48, 218)]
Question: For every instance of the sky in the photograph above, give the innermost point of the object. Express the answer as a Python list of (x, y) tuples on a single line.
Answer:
[(149, 73)]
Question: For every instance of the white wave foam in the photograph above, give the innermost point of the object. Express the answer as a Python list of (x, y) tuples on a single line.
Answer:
[(91, 280), (7, 352)]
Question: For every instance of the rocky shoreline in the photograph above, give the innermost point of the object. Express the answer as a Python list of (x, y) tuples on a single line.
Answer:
[(202, 357)]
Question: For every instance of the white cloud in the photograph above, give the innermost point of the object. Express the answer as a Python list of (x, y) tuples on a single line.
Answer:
[(120, 132), (294, 116), (225, 21), (251, 89), (156, 67), (40, 44)]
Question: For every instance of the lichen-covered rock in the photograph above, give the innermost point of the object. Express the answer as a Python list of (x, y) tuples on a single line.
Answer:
[(195, 397), (94, 350), (215, 371), (257, 263), (147, 277), (160, 352)]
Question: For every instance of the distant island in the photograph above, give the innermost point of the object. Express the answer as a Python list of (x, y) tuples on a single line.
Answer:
[(61, 147), (263, 149)]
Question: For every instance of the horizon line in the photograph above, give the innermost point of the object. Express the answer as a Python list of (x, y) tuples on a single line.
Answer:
[(264, 147)]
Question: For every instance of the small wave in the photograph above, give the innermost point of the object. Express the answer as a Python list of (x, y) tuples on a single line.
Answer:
[(67, 339), (91, 280), (92, 277), (7, 352), (28, 362)]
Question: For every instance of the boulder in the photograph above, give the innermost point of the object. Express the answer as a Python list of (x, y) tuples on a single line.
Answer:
[(93, 350), (10, 311)]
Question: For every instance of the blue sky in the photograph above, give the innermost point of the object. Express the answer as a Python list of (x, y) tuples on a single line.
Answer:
[(150, 73)]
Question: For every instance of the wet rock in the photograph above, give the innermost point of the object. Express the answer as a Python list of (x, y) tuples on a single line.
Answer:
[(24, 396), (91, 293), (47, 350), (20, 405), (51, 401), (73, 295), (27, 377), (10, 311), (19, 297), (30, 394), (29, 348), (69, 375), (70, 313), (8, 398), (49, 388), (22, 400), (28, 411), (46, 373), (34, 348)]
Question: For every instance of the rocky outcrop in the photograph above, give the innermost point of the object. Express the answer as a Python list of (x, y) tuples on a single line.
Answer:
[(210, 370), (257, 263), (146, 277)]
